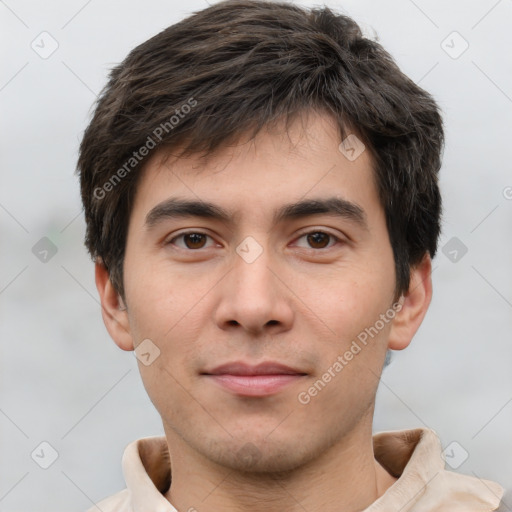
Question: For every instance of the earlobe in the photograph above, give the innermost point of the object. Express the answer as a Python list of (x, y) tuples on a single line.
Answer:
[(415, 305), (113, 309)]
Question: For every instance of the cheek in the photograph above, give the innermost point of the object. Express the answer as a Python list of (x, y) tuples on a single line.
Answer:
[(351, 301), (351, 359), (170, 310), (157, 300)]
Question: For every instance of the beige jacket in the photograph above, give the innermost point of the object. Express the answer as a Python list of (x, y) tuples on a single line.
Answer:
[(413, 456)]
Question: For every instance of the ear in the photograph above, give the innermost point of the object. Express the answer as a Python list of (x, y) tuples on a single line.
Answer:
[(115, 316), (415, 305)]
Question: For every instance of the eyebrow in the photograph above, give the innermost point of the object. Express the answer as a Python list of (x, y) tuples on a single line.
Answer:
[(181, 208)]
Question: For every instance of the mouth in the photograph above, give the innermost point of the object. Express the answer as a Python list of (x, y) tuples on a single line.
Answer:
[(264, 379)]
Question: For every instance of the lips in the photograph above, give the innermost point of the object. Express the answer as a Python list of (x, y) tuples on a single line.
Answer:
[(260, 380), (265, 368)]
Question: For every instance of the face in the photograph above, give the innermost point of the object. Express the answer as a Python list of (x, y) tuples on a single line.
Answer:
[(254, 307)]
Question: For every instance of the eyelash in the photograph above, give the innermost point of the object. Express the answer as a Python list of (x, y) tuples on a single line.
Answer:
[(335, 238)]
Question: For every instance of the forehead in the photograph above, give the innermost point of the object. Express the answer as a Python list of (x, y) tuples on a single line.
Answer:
[(256, 177)]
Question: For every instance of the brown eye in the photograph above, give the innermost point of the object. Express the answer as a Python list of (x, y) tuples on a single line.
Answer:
[(194, 240), (191, 241), (318, 240)]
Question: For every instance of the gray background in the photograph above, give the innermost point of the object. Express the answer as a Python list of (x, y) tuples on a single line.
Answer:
[(64, 381)]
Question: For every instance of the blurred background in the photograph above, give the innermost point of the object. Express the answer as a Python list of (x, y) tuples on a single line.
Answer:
[(70, 400)]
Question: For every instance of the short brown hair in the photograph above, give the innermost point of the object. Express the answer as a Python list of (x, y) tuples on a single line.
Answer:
[(241, 65)]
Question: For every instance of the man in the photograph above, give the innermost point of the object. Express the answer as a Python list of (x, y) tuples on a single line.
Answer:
[(261, 195)]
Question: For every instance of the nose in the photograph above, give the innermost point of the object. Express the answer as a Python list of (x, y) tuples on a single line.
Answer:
[(254, 297)]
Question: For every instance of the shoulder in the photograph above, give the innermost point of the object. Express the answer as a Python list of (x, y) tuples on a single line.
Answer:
[(119, 502)]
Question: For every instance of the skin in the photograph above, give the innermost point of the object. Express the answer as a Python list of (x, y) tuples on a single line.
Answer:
[(301, 303)]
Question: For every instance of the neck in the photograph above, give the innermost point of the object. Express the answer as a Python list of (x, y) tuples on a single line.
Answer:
[(346, 478)]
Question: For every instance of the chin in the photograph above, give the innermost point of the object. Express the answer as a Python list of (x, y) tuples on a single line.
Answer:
[(261, 457)]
